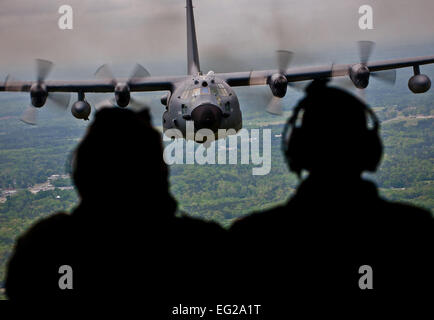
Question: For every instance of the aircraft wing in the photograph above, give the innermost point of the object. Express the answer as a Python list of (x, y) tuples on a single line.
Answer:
[(310, 73), (234, 79), (143, 84)]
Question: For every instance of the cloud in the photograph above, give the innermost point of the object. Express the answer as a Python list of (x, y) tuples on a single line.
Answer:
[(153, 32)]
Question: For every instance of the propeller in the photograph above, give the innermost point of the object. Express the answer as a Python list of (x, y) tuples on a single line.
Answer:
[(43, 68), (274, 103), (30, 115), (365, 51), (111, 103), (139, 73), (283, 58), (348, 85), (59, 100)]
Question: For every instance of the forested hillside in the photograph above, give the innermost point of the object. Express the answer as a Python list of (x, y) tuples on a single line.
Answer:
[(29, 155)]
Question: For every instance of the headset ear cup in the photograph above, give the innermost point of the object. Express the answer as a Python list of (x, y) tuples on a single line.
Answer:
[(373, 146)]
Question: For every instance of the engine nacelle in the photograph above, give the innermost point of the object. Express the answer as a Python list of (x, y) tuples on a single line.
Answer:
[(122, 94), (419, 83), (278, 85), (359, 75), (81, 110), (38, 94), (165, 99)]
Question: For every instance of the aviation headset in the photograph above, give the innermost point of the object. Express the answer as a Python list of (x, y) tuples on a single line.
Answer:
[(296, 151)]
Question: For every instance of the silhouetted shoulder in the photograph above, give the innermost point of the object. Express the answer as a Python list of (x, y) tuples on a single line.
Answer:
[(45, 226), (408, 209), (44, 231), (190, 224), (406, 214), (33, 253), (260, 221)]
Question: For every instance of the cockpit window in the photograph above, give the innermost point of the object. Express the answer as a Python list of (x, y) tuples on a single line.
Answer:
[(196, 92), (200, 91)]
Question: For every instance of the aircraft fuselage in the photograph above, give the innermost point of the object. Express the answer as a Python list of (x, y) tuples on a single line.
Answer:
[(206, 101)]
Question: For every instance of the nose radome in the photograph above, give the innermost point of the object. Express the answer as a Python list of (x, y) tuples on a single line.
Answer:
[(207, 116)]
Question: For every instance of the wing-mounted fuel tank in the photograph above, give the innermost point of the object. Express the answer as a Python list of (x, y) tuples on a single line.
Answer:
[(202, 102), (419, 83), (81, 108)]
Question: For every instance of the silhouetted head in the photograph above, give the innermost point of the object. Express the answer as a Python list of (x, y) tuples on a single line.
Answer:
[(332, 132), (120, 160)]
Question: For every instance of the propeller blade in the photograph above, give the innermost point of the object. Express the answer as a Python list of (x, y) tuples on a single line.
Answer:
[(30, 115), (138, 104), (361, 93), (387, 76), (138, 73), (11, 84), (104, 72), (275, 106), (107, 103), (344, 83), (60, 99), (299, 85), (284, 58), (43, 68), (365, 50)]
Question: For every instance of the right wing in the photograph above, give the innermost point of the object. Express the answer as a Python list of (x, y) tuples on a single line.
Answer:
[(237, 79)]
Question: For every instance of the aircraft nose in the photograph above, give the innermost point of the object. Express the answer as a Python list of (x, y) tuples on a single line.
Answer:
[(207, 116)]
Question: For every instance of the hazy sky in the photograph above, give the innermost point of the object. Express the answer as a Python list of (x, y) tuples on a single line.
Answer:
[(152, 32)]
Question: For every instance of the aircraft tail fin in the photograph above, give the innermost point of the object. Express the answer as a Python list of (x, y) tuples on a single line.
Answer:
[(192, 51)]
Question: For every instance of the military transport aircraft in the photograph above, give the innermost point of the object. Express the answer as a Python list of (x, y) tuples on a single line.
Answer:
[(207, 99)]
